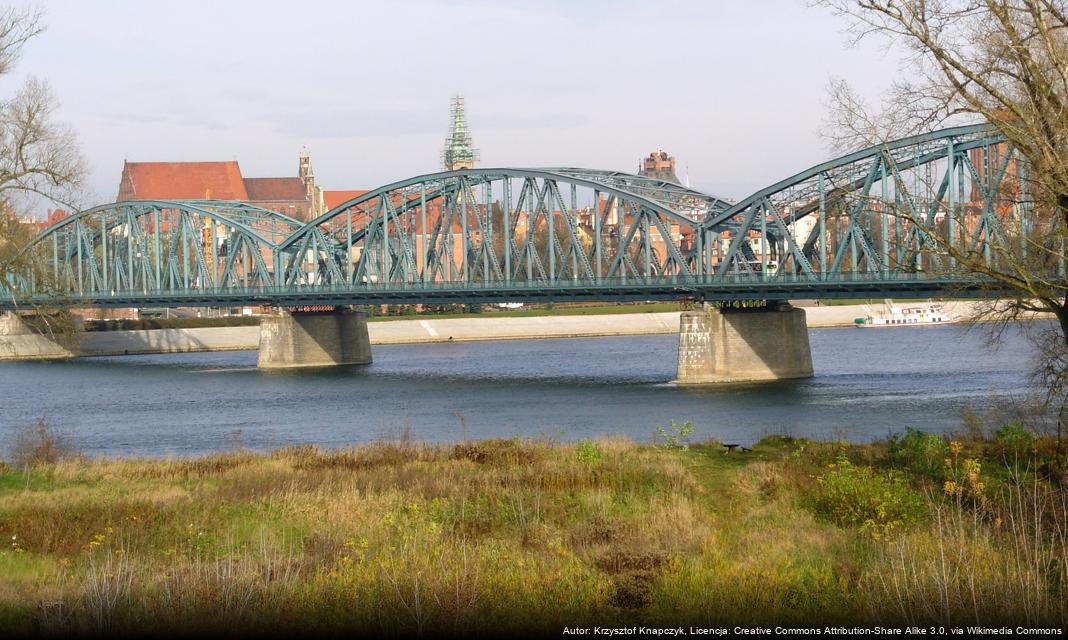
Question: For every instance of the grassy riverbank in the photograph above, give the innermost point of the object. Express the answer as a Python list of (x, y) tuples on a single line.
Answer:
[(511, 535)]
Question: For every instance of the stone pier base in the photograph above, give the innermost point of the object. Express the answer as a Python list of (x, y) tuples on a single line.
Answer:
[(314, 339), (743, 345), (18, 341)]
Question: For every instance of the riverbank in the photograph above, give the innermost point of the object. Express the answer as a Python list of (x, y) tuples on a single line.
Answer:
[(425, 329), (510, 536)]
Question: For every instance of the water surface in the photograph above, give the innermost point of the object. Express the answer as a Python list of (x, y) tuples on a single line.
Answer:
[(868, 383)]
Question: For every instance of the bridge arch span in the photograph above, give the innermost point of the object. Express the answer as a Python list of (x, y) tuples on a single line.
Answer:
[(146, 245), (501, 225), (871, 212)]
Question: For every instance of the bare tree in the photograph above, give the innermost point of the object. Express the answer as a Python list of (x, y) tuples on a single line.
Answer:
[(39, 158), (37, 155), (1004, 62)]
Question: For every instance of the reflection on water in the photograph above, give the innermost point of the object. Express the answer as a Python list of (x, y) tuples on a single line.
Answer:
[(868, 383)]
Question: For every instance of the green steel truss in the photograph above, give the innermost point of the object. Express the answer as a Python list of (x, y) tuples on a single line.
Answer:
[(857, 225)]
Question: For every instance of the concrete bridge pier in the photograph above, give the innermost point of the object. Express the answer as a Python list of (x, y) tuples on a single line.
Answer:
[(743, 345), (19, 341), (314, 339)]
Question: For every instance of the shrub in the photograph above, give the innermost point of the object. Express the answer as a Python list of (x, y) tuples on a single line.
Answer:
[(38, 443), (1016, 438), (678, 438), (877, 502), (920, 452), (588, 451)]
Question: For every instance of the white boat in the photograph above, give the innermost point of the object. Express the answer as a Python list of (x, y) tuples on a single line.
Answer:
[(916, 315)]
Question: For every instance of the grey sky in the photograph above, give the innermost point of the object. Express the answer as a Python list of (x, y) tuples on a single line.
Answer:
[(733, 89)]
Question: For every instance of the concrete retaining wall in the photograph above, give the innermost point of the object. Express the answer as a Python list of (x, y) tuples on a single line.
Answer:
[(100, 343), (19, 342), (459, 329), (109, 343)]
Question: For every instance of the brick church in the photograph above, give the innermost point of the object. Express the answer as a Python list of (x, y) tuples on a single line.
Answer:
[(297, 196)]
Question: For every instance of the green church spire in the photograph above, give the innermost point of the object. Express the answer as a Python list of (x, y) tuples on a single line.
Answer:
[(459, 154)]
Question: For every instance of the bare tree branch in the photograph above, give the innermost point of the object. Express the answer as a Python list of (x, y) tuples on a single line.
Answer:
[(1000, 61)]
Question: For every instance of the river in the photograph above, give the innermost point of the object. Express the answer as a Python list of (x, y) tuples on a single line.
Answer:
[(868, 383)]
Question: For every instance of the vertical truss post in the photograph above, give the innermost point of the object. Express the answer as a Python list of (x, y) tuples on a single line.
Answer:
[(952, 206), (597, 242), (823, 226), (989, 191), (898, 250), (424, 252), (78, 239), (131, 281), (699, 253), (506, 211), (544, 199), (386, 266), (710, 241), (348, 247), (487, 233), (104, 249), (156, 241), (1022, 176), (279, 277), (575, 239), (465, 241), (885, 224), (647, 240), (528, 241), (183, 237), (55, 259), (764, 242)]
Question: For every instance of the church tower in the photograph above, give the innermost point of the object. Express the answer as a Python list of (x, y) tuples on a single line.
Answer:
[(458, 153), (314, 194)]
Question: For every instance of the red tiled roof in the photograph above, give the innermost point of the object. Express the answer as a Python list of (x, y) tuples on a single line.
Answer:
[(182, 180), (336, 198), (274, 189)]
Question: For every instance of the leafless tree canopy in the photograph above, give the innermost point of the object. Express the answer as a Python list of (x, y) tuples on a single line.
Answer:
[(1000, 61), (16, 27), (37, 156), (39, 159)]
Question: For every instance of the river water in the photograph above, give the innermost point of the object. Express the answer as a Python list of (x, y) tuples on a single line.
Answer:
[(868, 383)]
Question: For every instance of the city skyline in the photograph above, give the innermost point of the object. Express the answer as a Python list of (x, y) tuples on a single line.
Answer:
[(737, 112)]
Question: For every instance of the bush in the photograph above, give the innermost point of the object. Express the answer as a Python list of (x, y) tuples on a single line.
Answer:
[(920, 452), (39, 444), (588, 451), (877, 502), (1016, 438), (678, 438)]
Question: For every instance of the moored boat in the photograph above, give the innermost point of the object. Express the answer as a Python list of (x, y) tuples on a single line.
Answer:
[(916, 315)]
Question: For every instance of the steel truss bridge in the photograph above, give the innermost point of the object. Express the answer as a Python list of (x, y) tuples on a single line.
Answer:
[(857, 226)]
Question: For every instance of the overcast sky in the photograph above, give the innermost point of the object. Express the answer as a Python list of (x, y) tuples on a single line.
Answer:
[(735, 90)]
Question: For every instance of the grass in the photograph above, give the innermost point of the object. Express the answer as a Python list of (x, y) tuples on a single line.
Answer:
[(532, 535)]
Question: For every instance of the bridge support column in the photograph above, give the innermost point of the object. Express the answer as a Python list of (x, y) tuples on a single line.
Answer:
[(19, 341), (314, 339), (743, 345)]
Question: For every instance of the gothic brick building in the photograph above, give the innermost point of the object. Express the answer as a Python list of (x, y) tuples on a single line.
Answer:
[(296, 196)]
